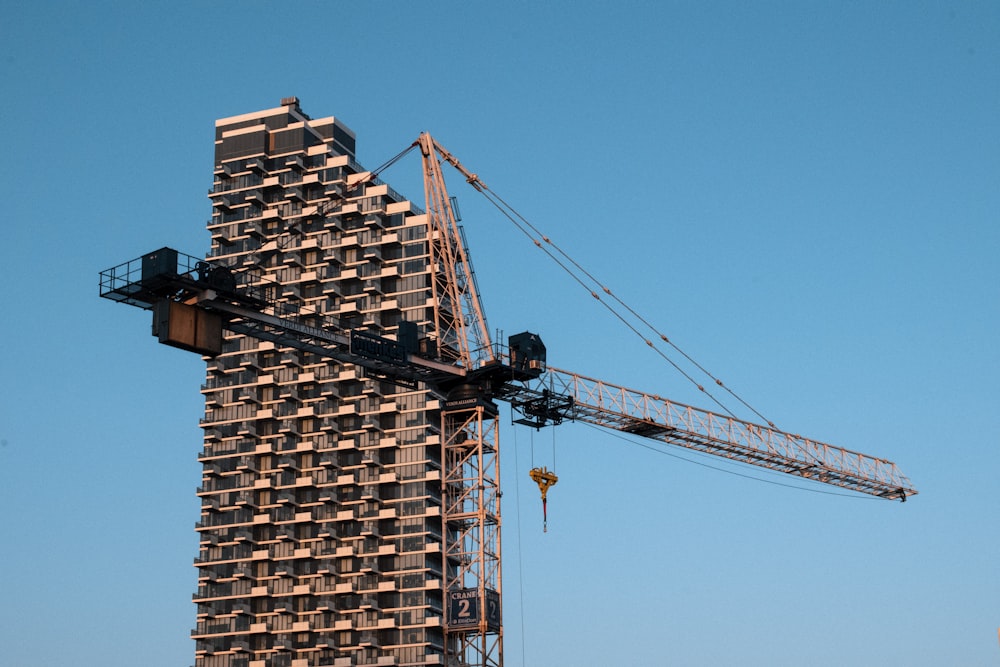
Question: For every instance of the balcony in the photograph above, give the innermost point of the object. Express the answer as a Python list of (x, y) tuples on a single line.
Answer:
[(241, 644), (245, 499), (247, 464), (247, 394), (289, 427), (211, 470), (210, 504), (254, 228), (333, 289), (288, 463), (243, 535), (243, 570), (226, 201)]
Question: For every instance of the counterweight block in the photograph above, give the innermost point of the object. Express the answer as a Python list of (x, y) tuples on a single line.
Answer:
[(188, 327)]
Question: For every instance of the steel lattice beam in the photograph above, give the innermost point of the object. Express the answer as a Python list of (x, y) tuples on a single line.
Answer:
[(651, 416)]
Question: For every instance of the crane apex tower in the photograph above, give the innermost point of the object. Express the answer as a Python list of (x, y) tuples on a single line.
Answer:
[(321, 520)]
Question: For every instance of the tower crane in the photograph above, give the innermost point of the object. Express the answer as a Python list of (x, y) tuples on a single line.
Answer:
[(194, 300)]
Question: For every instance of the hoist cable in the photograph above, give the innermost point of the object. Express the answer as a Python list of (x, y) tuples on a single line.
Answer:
[(510, 213), (520, 567), (639, 317), (553, 450), (532, 441), (490, 197), (514, 217)]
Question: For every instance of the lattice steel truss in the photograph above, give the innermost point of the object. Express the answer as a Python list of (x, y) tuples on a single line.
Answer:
[(471, 497)]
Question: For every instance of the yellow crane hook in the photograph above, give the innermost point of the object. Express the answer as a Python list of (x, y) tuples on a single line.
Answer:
[(544, 479)]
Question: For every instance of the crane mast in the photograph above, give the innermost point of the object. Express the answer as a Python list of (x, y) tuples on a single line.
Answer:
[(469, 443), (193, 301)]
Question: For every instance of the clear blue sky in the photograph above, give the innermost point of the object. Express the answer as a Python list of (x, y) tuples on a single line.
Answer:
[(804, 195)]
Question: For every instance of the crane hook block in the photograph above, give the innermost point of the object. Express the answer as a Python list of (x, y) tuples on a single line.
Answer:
[(544, 479)]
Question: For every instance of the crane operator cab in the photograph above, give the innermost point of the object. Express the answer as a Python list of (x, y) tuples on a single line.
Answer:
[(527, 355)]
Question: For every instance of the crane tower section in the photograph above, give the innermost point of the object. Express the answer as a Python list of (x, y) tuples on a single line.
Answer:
[(321, 532)]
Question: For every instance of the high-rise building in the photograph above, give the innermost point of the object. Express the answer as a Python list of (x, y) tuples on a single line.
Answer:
[(320, 531)]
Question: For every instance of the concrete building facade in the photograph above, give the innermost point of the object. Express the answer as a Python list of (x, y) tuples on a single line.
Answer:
[(320, 529)]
